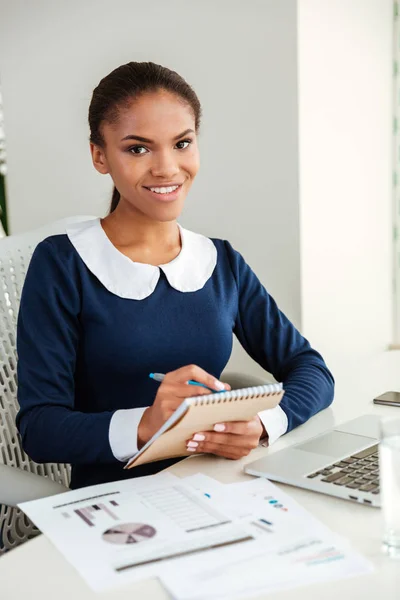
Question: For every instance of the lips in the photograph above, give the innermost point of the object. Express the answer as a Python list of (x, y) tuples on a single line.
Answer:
[(167, 197), (164, 185)]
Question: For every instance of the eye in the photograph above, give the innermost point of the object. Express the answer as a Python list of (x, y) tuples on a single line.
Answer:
[(188, 142), (134, 148), (137, 149)]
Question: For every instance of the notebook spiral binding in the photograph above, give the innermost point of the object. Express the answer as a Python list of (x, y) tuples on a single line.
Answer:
[(235, 395)]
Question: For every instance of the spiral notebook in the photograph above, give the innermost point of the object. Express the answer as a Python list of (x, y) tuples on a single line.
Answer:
[(200, 413)]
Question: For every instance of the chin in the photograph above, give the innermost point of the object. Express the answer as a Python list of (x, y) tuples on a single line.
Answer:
[(167, 212), (166, 216)]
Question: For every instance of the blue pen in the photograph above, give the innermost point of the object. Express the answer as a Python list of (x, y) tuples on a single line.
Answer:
[(160, 377)]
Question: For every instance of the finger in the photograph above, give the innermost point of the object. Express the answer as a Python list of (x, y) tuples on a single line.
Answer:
[(224, 439), (193, 372), (239, 427), (183, 390), (233, 452)]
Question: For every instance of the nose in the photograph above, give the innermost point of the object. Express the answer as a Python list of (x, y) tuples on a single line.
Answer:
[(165, 165)]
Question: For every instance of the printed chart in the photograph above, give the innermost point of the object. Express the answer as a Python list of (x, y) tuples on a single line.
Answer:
[(129, 533), (88, 513)]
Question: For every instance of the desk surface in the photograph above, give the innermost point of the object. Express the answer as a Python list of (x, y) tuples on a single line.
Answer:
[(37, 570)]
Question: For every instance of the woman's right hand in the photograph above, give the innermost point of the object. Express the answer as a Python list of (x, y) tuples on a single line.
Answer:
[(171, 393)]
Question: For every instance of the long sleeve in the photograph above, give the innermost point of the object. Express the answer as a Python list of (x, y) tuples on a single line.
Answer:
[(275, 344), (48, 337), (124, 431), (275, 423)]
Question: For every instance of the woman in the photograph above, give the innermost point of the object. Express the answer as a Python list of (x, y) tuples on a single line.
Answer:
[(117, 298)]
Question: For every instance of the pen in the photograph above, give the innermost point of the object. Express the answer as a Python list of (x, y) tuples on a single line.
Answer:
[(160, 377)]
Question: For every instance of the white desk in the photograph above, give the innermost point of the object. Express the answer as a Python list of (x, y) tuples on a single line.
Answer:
[(37, 570)]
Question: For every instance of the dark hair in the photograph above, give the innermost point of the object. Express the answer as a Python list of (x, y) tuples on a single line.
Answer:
[(126, 83)]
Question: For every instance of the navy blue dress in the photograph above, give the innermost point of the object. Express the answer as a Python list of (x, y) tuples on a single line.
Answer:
[(84, 352)]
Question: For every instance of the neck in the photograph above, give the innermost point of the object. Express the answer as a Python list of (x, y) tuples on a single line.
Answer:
[(135, 232)]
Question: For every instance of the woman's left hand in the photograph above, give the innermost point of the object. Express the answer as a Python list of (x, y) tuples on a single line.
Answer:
[(231, 440)]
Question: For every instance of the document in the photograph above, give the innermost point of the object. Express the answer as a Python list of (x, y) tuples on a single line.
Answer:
[(120, 532), (201, 538), (300, 550)]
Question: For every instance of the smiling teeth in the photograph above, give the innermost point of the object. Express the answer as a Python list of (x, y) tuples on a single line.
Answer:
[(164, 190)]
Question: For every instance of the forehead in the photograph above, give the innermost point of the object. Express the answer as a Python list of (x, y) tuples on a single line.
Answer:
[(154, 115)]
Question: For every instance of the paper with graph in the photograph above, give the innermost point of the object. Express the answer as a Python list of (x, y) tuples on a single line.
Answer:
[(120, 532), (202, 539), (302, 550)]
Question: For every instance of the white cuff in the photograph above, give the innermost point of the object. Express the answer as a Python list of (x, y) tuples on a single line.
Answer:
[(122, 434), (275, 422)]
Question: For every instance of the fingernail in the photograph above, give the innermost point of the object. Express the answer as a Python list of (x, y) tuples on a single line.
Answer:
[(219, 427), (192, 444), (191, 449), (218, 385), (199, 437)]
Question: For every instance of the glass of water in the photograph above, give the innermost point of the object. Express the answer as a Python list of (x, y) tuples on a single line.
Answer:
[(389, 465)]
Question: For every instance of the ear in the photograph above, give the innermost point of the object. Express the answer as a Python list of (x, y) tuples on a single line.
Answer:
[(99, 159)]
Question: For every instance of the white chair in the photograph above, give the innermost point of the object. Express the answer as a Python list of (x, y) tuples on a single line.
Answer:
[(21, 479)]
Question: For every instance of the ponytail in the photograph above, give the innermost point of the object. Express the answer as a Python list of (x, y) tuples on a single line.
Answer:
[(115, 199)]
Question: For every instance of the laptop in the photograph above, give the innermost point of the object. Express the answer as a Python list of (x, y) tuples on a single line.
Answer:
[(342, 462)]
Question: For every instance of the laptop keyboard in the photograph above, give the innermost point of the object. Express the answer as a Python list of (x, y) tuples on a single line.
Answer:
[(357, 472)]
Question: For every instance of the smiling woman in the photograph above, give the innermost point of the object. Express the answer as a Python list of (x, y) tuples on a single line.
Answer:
[(152, 176), (170, 106), (117, 298)]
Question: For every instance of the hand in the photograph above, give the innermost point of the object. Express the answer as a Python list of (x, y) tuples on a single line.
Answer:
[(232, 440), (171, 393)]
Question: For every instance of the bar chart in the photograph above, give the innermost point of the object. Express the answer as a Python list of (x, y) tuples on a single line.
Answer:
[(88, 513)]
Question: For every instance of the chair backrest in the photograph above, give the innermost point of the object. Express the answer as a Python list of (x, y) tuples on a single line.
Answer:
[(15, 254)]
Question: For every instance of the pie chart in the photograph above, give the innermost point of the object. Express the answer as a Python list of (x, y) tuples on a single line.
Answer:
[(129, 533)]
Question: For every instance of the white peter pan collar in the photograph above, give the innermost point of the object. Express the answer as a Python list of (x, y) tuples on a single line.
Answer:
[(188, 272)]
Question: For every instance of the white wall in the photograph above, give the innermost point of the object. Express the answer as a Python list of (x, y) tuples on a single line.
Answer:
[(241, 59), (345, 83), (244, 60)]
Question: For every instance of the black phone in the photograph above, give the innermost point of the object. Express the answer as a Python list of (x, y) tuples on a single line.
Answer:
[(388, 398)]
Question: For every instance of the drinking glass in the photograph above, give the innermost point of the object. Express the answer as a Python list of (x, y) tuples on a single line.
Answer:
[(389, 466)]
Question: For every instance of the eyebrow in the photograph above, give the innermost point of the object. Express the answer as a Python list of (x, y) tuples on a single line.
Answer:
[(147, 141)]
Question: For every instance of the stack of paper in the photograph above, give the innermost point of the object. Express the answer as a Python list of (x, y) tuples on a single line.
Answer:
[(203, 539), (299, 550)]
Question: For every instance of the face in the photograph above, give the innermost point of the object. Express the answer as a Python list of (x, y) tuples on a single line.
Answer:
[(153, 145)]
